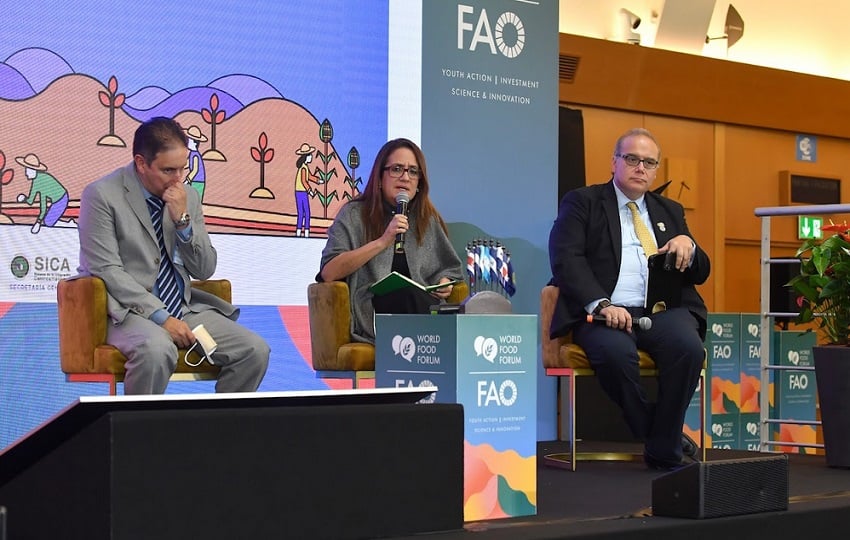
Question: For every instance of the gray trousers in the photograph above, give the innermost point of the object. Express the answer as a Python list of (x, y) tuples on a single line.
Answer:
[(242, 355)]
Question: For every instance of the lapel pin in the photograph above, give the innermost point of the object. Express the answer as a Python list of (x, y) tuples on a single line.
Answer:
[(661, 226)]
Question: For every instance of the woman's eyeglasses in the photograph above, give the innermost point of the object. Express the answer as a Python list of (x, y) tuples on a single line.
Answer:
[(396, 171)]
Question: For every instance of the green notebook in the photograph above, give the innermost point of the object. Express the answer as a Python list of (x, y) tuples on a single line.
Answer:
[(395, 281)]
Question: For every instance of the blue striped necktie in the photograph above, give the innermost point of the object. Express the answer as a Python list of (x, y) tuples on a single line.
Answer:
[(166, 280)]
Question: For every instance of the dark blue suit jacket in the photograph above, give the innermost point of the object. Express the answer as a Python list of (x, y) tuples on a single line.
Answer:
[(585, 247)]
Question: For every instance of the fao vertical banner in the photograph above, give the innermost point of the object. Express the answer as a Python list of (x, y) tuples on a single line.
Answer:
[(490, 105), (497, 386), (487, 363), (489, 129), (490, 126)]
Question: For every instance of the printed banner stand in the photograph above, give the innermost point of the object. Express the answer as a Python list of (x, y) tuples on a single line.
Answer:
[(487, 363)]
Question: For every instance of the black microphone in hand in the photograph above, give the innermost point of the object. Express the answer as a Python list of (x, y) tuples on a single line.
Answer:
[(644, 323), (401, 201)]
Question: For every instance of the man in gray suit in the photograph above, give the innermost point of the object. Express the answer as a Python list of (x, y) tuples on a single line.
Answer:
[(119, 244)]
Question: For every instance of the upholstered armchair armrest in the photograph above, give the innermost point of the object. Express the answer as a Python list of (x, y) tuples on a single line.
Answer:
[(219, 287), (459, 293), (551, 348), (330, 322), (81, 303)]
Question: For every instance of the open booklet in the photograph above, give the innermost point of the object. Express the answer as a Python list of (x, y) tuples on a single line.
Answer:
[(395, 281)]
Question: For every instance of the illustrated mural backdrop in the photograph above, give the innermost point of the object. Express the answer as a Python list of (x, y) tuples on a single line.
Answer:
[(262, 90)]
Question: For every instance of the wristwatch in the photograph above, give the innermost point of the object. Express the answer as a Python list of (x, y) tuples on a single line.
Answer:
[(600, 306), (183, 221)]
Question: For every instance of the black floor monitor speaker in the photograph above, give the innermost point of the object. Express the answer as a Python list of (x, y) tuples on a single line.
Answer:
[(723, 488)]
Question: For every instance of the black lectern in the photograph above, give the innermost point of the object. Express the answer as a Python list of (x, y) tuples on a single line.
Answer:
[(327, 464)]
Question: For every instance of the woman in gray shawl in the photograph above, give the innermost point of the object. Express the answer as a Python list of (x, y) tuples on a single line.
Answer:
[(361, 240)]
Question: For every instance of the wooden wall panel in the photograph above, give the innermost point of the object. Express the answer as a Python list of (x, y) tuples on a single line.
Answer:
[(599, 125), (737, 122), (694, 140), (741, 276), (630, 77)]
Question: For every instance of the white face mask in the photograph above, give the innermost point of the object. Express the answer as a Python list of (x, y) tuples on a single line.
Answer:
[(207, 345)]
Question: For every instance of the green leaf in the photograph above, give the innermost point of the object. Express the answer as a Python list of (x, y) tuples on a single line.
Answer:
[(325, 158), (327, 175), (821, 257), (327, 200)]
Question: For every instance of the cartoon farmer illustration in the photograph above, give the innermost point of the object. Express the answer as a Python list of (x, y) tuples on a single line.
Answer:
[(52, 196), (302, 188), (197, 176)]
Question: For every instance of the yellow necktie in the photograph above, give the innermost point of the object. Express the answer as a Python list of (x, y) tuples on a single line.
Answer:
[(643, 234)]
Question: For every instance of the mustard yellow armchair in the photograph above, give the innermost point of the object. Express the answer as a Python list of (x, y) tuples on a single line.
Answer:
[(83, 352), (564, 359), (335, 355)]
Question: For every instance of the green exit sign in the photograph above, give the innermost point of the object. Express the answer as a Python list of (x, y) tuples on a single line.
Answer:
[(809, 227)]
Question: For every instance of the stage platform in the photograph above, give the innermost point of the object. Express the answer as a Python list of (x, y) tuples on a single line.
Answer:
[(602, 500), (388, 442)]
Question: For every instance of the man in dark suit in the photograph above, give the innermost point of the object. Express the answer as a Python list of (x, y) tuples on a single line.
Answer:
[(120, 244), (599, 264)]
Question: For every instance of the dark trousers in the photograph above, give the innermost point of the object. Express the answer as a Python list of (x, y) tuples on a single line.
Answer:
[(674, 344)]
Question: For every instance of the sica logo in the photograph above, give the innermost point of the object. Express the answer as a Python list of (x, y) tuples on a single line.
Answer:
[(507, 35), (20, 266)]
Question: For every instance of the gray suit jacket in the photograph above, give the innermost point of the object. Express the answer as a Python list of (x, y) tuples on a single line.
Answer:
[(118, 244)]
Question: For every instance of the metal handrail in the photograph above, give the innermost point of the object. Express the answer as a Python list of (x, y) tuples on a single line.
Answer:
[(765, 213)]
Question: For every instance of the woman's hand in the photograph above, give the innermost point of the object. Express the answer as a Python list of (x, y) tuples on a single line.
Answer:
[(398, 225), (346, 263), (443, 292)]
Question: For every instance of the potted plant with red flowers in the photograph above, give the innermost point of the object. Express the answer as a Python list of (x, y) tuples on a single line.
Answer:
[(823, 286)]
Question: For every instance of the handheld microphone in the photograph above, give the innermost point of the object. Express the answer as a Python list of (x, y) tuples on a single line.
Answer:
[(644, 323), (401, 201)]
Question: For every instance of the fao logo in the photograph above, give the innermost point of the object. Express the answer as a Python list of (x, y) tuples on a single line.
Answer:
[(503, 395), (507, 35), (20, 266), (430, 398)]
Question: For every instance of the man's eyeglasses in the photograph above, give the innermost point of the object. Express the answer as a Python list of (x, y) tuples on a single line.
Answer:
[(633, 161), (396, 171)]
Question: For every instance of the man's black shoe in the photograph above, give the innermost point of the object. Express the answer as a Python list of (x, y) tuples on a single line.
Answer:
[(689, 447), (661, 464)]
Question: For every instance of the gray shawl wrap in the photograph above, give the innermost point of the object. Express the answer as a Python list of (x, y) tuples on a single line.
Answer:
[(433, 259)]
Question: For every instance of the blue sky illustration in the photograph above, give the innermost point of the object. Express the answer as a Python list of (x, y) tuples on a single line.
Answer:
[(329, 56)]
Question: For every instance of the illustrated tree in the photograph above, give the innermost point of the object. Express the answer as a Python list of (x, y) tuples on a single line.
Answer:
[(326, 135), (353, 181), (113, 100), (262, 154), (213, 116), (6, 176)]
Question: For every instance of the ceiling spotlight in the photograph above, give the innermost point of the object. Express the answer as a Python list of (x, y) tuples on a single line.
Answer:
[(734, 27)]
